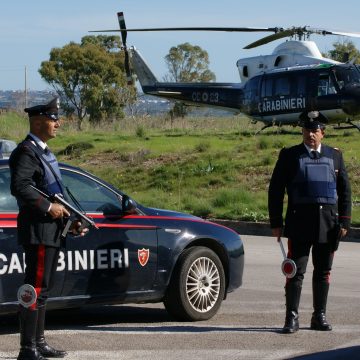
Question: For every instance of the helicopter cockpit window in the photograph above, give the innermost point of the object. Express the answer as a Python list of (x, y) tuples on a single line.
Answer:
[(326, 85), (346, 76)]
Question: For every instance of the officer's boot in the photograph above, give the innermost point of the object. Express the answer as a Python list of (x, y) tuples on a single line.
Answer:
[(28, 322), (318, 319), (292, 294), (41, 344)]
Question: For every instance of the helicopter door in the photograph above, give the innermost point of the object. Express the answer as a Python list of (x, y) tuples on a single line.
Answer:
[(275, 95), (283, 98), (251, 95), (326, 85), (325, 93)]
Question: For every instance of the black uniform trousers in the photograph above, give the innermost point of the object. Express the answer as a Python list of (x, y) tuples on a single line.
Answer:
[(322, 258), (41, 263)]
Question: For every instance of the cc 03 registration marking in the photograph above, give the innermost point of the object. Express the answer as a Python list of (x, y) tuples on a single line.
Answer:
[(204, 96)]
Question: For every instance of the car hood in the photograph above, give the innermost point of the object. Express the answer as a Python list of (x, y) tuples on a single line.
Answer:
[(162, 212)]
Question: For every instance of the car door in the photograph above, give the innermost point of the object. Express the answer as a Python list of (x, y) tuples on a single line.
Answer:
[(12, 262), (120, 257)]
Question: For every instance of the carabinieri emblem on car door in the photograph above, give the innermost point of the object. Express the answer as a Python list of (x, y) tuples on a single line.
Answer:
[(143, 256)]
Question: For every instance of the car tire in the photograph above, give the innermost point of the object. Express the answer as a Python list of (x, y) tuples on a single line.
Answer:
[(197, 286)]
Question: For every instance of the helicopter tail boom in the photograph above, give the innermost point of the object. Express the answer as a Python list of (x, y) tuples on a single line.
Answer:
[(225, 95)]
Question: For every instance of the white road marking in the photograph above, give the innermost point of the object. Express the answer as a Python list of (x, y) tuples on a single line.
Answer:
[(230, 354)]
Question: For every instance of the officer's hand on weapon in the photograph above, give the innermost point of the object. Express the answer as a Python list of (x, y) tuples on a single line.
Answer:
[(78, 229), (61, 208), (58, 211)]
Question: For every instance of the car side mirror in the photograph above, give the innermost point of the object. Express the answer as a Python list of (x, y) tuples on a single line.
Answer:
[(128, 205), (111, 211)]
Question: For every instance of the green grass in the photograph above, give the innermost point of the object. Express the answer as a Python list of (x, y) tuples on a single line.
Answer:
[(210, 167)]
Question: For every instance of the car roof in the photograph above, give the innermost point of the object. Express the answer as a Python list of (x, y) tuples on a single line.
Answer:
[(5, 162), (6, 147)]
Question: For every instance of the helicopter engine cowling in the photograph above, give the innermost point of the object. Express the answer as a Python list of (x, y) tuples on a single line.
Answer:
[(286, 54)]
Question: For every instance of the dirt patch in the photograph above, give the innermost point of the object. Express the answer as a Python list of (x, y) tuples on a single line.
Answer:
[(141, 157)]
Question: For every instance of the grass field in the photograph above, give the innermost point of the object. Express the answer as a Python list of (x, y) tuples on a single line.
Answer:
[(211, 167)]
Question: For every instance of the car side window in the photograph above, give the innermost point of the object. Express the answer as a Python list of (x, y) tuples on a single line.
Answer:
[(7, 201), (91, 195)]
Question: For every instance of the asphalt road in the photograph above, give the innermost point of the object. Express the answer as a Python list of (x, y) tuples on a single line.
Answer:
[(248, 325)]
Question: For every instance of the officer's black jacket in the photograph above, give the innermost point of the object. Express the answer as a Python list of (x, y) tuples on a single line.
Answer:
[(307, 220), (35, 226)]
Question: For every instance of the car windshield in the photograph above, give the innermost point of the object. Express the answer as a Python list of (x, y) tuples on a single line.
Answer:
[(91, 195), (7, 201)]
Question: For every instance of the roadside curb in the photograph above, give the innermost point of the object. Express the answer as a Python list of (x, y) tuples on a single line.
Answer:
[(263, 229)]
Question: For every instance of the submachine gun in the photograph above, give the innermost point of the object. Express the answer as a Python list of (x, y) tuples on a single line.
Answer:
[(60, 200)]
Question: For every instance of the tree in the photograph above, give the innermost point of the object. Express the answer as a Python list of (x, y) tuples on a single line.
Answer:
[(187, 63), (89, 77), (344, 51)]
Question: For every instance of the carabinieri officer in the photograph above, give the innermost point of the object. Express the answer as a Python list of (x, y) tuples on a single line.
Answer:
[(40, 224), (318, 215)]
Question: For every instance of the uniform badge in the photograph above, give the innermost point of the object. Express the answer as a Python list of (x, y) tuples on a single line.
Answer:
[(26, 295), (143, 256)]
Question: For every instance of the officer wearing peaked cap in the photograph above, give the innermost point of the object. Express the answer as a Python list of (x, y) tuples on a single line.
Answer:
[(313, 124), (40, 224), (317, 216), (50, 110)]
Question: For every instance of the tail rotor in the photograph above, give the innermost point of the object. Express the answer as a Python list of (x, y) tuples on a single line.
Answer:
[(123, 32)]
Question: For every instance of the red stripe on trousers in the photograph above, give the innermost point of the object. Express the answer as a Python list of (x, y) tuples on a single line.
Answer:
[(39, 271)]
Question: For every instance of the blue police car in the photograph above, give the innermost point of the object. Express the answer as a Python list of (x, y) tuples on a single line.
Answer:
[(137, 255)]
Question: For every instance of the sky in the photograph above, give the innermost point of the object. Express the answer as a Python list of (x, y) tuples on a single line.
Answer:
[(30, 29)]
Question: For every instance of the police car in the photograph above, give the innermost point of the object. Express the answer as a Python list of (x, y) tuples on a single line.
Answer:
[(137, 255)]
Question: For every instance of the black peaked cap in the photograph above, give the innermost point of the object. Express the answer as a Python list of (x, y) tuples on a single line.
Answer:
[(49, 109)]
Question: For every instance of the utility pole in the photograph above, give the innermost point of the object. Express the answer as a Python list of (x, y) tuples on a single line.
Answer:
[(25, 88)]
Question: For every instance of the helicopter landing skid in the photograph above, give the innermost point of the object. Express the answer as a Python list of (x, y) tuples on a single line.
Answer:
[(351, 126), (263, 128)]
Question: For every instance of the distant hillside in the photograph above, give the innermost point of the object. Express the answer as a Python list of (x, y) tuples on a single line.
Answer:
[(16, 100), (146, 104)]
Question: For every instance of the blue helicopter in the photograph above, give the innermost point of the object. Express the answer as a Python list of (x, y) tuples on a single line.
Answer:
[(292, 84)]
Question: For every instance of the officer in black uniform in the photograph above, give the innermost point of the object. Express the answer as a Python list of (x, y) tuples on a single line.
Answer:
[(318, 215), (40, 224)]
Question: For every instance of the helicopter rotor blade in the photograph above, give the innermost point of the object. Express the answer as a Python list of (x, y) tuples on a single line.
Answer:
[(127, 68), (197, 28), (122, 26), (339, 33), (279, 35), (300, 33), (123, 31), (279, 32)]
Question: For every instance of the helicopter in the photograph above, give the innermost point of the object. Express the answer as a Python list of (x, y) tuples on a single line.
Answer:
[(291, 85)]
